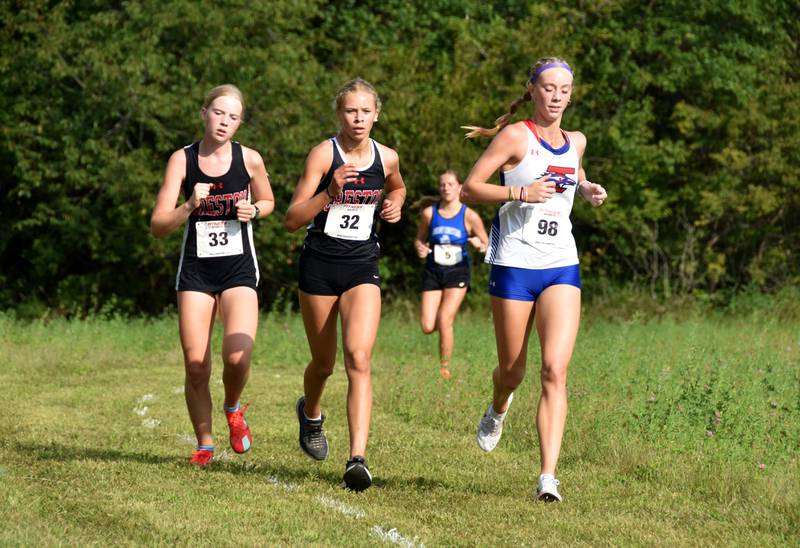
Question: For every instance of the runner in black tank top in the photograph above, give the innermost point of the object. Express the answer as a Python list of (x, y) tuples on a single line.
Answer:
[(227, 256), (337, 198), (366, 190), (217, 270)]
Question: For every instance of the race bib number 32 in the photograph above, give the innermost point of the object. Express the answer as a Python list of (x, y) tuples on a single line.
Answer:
[(350, 221), (219, 238)]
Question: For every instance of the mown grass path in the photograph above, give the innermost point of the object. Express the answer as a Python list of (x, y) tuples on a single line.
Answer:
[(679, 432)]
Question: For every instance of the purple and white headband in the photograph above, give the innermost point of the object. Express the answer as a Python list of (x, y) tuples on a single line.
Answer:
[(549, 66)]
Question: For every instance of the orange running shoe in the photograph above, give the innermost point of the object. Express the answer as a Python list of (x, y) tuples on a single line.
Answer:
[(241, 439), (202, 457)]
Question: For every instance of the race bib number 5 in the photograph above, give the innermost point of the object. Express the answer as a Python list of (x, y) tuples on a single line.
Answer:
[(350, 221), (219, 238), (447, 255)]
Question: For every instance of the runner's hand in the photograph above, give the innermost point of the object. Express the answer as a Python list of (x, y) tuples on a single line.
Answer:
[(245, 211), (541, 190), (390, 212), (593, 193), (200, 193), (345, 173), (423, 249)]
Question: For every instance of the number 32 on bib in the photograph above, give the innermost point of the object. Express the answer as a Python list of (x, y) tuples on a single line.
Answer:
[(350, 221)]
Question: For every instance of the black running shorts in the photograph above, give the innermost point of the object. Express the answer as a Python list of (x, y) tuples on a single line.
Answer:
[(321, 277), (438, 278)]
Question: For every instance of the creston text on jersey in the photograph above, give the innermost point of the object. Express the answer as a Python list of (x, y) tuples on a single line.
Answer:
[(220, 205), (356, 197)]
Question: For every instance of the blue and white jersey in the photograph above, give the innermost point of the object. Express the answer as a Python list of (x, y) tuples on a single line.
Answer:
[(537, 236), (448, 239)]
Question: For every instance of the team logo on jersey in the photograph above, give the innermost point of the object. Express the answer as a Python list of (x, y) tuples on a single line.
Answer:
[(559, 175), (356, 197)]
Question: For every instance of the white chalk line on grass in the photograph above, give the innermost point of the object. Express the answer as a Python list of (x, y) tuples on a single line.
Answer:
[(141, 409), (389, 535), (393, 535), (341, 507)]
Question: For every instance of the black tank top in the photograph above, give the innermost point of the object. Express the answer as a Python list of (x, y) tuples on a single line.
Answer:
[(220, 205), (367, 190)]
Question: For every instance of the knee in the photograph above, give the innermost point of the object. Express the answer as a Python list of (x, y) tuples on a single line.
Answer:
[(237, 359), (510, 379), (198, 371), (357, 361), (321, 367), (445, 320), (427, 326), (554, 376)]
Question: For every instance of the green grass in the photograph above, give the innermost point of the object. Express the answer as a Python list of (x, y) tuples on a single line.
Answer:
[(679, 432)]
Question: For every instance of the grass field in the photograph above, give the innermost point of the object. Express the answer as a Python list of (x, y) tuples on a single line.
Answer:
[(679, 433)]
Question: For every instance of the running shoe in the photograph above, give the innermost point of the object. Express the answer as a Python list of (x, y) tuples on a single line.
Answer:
[(202, 457), (356, 474), (241, 439), (548, 489), (490, 429), (312, 436), (444, 372)]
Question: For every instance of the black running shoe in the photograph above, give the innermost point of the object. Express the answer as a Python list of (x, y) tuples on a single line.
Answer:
[(356, 474), (312, 436)]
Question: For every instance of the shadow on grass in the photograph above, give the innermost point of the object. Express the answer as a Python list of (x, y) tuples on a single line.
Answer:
[(287, 474), (64, 453)]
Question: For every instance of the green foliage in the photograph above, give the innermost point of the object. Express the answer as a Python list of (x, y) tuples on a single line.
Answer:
[(690, 112)]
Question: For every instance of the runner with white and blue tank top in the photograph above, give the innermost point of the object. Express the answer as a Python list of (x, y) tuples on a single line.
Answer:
[(534, 278), (226, 188), (348, 183), (446, 226)]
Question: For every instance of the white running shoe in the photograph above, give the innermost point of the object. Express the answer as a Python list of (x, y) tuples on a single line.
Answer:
[(548, 489), (490, 429)]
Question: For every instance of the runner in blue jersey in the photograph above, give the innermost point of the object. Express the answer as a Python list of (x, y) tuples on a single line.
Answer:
[(349, 182), (445, 228), (226, 188), (534, 276)]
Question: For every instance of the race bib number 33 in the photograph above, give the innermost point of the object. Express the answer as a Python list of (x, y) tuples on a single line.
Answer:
[(219, 238), (350, 221)]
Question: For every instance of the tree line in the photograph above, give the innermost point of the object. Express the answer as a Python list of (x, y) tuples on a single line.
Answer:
[(690, 109)]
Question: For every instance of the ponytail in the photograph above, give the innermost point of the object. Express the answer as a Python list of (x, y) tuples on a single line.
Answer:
[(425, 201), (500, 123), (533, 74)]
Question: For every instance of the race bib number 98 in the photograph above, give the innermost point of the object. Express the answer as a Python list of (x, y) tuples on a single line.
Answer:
[(546, 227), (219, 238), (350, 221)]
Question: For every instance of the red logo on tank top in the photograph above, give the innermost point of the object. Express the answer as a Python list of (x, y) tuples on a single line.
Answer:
[(213, 186), (559, 176)]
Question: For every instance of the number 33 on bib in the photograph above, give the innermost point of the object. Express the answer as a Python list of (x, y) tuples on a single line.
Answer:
[(350, 221)]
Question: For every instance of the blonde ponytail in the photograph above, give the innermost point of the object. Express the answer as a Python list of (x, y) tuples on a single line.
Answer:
[(505, 119)]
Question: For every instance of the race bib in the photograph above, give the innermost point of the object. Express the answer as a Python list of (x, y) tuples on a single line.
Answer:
[(546, 227), (350, 221), (219, 238), (447, 255)]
